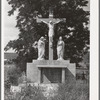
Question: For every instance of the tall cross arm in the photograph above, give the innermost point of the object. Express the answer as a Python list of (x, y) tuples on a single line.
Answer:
[(42, 19), (59, 20), (54, 20), (63, 19)]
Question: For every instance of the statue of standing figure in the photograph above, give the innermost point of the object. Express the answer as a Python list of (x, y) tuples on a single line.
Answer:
[(60, 48), (41, 48)]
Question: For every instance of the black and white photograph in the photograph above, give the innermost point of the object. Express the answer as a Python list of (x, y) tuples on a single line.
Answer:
[(46, 49)]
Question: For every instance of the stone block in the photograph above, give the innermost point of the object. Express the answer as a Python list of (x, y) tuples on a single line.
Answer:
[(32, 72), (40, 70), (72, 68), (51, 62)]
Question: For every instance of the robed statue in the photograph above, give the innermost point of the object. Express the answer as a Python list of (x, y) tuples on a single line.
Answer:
[(41, 48), (60, 48)]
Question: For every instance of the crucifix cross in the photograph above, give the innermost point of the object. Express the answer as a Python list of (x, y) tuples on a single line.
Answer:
[(50, 22)]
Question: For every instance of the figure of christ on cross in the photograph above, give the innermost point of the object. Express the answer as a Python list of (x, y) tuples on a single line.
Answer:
[(51, 23), (51, 30)]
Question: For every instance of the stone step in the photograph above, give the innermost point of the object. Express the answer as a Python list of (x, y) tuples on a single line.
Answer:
[(51, 62)]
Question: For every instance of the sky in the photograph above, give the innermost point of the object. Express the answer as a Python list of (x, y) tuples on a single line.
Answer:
[(10, 32), (9, 23)]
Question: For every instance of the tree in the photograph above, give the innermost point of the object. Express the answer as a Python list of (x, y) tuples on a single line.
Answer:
[(75, 32)]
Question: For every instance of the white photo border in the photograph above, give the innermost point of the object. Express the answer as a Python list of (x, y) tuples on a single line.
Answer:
[(94, 50)]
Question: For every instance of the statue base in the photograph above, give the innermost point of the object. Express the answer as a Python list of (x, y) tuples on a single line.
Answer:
[(50, 71)]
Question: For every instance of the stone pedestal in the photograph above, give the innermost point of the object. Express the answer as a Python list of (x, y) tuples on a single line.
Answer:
[(48, 71), (63, 75)]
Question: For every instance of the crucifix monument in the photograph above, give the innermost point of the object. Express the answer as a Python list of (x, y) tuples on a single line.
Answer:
[(50, 23), (50, 71)]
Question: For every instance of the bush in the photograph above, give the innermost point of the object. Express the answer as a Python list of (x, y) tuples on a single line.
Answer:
[(33, 93), (13, 75), (69, 91), (27, 93), (72, 91), (7, 85)]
